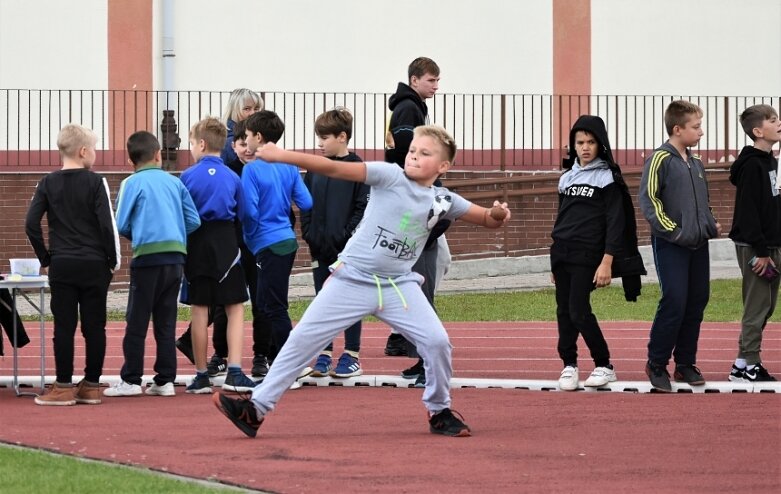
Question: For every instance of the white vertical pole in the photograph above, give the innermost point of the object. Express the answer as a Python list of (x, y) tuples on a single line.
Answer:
[(168, 45)]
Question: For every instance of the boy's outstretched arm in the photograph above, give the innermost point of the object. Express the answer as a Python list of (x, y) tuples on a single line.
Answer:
[(479, 215), (346, 170)]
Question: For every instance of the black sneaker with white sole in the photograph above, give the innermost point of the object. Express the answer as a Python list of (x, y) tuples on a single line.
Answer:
[(217, 366), (414, 371), (757, 374), (239, 383), (200, 385), (737, 375)]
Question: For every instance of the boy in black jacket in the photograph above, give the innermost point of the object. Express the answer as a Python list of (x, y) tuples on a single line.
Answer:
[(337, 208), (756, 231), (409, 109), (82, 255), (595, 225)]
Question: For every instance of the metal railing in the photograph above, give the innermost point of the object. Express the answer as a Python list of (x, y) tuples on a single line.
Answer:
[(493, 132)]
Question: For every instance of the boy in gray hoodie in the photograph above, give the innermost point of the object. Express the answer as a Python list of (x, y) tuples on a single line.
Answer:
[(674, 199)]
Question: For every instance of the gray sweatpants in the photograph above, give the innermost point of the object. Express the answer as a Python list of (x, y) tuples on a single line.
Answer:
[(347, 296)]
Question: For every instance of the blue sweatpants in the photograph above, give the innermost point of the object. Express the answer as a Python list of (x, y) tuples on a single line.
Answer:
[(684, 279), (349, 295)]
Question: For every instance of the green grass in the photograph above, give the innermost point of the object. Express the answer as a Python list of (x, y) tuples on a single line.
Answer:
[(540, 305), (26, 471)]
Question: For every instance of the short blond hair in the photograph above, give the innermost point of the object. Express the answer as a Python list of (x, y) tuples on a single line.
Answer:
[(73, 137), (440, 135), (212, 131)]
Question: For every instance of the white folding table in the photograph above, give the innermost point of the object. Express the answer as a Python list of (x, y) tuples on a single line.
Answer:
[(21, 286)]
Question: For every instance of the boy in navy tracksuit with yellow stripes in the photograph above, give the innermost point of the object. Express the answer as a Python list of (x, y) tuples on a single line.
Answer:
[(674, 199)]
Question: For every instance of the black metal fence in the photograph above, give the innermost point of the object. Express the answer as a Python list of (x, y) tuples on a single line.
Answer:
[(492, 131)]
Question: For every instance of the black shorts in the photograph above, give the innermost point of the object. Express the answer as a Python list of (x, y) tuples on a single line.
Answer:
[(208, 291)]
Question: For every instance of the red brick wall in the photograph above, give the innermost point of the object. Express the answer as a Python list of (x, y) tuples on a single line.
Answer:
[(533, 202)]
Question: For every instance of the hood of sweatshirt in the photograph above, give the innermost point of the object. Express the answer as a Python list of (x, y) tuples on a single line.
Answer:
[(595, 126), (404, 92), (746, 154), (575, 175)]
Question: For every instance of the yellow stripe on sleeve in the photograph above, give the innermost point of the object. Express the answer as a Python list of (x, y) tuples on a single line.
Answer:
[(653, 189)]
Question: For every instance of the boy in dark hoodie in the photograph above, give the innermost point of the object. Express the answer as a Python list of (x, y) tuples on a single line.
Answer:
[(595, 226), (409, 109), (337, 209), (756, 231), (673, 197)]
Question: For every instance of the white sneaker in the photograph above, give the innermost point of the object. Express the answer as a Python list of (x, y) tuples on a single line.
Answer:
[(306, 371), (122, 389), (166, 389), (600, 376), (568, 381)]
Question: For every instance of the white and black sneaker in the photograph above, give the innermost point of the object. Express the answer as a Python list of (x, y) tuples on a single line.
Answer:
[(757, 373), (238, 383), (737, 375), (217, 366)]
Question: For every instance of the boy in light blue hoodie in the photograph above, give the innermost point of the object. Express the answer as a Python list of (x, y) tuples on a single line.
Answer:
[(156, 213)]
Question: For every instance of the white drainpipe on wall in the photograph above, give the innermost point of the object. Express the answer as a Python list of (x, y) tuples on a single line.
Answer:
[(168, 46)]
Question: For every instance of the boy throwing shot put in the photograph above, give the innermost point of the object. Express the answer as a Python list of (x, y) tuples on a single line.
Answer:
[(373, 274)]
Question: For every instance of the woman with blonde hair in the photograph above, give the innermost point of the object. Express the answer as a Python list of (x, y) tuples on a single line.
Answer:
[(242, 103)]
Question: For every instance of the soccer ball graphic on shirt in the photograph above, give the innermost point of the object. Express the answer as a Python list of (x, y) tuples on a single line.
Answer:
[(439, 207)]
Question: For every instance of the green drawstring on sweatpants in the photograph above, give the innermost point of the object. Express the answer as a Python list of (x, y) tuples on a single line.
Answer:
[(379, 291), (396, 288), (401, 295)]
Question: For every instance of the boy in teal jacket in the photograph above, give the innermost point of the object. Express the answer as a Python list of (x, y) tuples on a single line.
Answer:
[(156, 213)]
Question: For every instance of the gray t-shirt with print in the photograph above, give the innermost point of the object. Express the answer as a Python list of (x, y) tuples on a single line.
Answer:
[(397, 221)]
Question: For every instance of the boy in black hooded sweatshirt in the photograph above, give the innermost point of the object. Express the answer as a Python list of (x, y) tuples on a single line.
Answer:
[(594, 232), (409, 110), (756, 231)]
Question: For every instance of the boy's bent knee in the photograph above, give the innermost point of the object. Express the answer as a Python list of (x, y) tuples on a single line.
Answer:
[(437, 343)]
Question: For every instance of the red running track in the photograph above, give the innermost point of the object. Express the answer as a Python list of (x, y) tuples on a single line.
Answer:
[(376, 439), (499, 350)]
